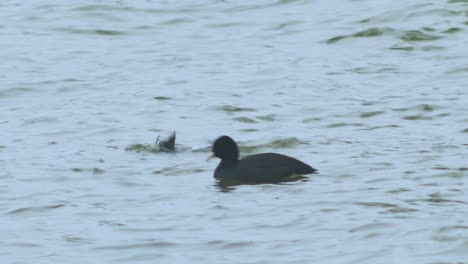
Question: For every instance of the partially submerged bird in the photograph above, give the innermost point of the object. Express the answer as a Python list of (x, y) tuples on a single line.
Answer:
[(168, 144), (258, 168)]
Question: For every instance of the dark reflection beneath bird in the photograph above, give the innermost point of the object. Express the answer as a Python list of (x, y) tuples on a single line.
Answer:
[(258, 168)]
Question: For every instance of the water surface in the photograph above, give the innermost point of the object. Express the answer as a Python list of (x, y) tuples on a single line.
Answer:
[(372, 94)]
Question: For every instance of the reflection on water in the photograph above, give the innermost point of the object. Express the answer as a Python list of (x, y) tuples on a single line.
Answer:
[(227, 185)]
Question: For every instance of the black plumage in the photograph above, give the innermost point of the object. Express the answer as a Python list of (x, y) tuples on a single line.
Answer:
[(258, 168)]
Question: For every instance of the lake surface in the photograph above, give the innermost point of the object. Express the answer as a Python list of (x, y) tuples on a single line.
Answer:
[(372, 93)]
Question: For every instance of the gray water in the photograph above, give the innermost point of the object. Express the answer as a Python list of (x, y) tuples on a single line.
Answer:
[(372, 93)]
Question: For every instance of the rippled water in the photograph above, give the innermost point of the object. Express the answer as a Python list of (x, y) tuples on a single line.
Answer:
[(372, 93)]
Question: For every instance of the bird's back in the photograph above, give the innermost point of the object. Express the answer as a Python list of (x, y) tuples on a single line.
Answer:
[(275, 160), (265, 167)]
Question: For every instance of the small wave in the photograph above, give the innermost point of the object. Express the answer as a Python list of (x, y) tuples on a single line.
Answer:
[(275, 144), (371, 227), (14, 91), (371, 114), (229, 244), (94, 171), (375, 204), (100, 32), (370, 32), (336, 125), (159, 244), (231, 109), (176, 21), (243, 119), (38, 209), (417, 35)]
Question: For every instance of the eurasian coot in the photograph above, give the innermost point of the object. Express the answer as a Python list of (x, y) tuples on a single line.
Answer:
[(258, 168)]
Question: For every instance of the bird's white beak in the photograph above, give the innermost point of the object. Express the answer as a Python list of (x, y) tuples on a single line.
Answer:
[(210, 156)]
